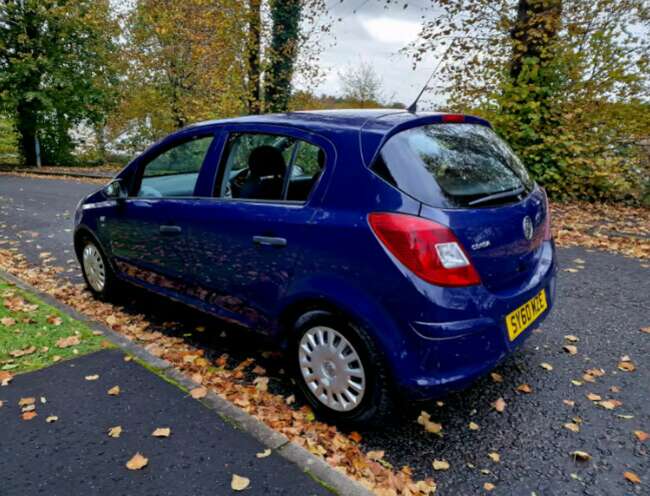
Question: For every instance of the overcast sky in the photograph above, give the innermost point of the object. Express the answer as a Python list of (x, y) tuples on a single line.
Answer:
[(375, 35)]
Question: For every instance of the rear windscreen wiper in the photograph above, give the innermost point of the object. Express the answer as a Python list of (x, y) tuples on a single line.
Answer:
[(497, 196)]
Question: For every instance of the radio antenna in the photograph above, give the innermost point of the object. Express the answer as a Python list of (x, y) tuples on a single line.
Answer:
[(413, 108)]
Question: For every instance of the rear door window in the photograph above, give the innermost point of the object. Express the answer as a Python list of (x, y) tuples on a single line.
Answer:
[(458, 165)]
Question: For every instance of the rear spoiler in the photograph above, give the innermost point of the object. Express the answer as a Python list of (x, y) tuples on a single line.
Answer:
[(372, 138)]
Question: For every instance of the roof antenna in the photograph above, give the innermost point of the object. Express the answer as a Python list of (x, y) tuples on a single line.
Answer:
[(413, 108)]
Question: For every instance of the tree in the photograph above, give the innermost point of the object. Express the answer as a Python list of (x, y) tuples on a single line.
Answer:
[(361, 85), (285, 39), (54, 71), (253, 50), (553, 76)]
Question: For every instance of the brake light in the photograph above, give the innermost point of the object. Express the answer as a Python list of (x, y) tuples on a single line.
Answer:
[(428, 249), (548, 233), (453, 118)]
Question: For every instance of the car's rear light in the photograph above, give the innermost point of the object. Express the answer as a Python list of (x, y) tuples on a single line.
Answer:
[(428, 249), (548, 233), (453, 118)]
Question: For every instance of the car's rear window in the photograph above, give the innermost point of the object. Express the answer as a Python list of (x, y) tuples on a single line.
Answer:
[(456, 165)]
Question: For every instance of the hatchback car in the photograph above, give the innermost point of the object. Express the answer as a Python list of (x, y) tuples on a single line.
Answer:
[(392, 254)]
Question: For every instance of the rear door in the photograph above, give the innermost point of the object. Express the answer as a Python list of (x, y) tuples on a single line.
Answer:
[(247, 238), (469, 180), (148, 231)]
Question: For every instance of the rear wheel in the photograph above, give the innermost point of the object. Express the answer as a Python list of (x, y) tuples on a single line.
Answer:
[(97, 272), (339, 370)]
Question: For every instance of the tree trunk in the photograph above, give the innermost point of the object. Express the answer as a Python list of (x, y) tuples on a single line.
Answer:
[(26, 118), (284, 50), (253, 42)]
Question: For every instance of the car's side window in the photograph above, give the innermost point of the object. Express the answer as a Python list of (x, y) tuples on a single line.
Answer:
[(269, 167), (175, 171)]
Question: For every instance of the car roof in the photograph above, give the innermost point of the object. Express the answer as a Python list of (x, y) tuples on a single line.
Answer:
[(372, 126)]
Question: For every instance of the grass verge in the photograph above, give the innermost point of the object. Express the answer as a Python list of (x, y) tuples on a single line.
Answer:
[(34, 335)]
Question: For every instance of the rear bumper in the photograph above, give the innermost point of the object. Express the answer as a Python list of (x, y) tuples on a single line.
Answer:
[(448, 356)]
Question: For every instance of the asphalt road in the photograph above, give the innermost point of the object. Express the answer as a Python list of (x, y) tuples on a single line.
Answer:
[(74, 455), (604, 304)]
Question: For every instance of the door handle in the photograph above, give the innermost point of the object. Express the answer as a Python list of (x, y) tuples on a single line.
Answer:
[(269, 241), (171, 229)]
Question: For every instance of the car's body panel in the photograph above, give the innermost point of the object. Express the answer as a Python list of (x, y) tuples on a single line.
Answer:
[(434, 338)]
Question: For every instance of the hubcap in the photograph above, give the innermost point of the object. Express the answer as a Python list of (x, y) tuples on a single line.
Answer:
[(94, 267), (332, 368)]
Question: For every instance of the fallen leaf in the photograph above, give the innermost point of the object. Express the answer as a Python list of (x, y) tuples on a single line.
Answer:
[(137, 462), (524, 388), (29, 415), (54, 320), (570, 349), (641, 436), (162, 432), (473, 426), (626, 366), (615, 389), (355, 436), (579, 261), (198, 393), (57, 358), (610, 404), (115, 431), (375, 455), (5, 377), (92, 377), (573, 427), (7, 321), (239, 483), (114, 391), (645, 329), (494, 456), (488, 486), (51, 418), (546, 366), (67, 342), (582, 456), (28, 408), (594, 397), (128, 358), (440, 465), (569, 402), (496, 377), (23, 352), (576, 383), (26, 401), (290, 399), (570, 269), (632, 477), (571, 338), (263, 454), (499, 405)]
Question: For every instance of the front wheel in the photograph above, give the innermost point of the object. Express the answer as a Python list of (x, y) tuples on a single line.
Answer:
[(339, 370), (96, 271)]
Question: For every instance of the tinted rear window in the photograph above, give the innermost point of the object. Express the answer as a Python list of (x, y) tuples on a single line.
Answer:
[(453, 165)]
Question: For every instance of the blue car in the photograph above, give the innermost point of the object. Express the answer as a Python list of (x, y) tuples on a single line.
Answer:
[(391, 254)]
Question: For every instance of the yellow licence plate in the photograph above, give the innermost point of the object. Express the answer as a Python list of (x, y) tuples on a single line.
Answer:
[(520, 319)]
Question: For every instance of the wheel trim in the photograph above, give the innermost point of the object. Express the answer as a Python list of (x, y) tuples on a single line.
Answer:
[(94, 267), (331, 368)]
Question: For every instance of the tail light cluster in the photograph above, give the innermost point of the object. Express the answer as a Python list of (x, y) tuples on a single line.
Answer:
[(428, 249)]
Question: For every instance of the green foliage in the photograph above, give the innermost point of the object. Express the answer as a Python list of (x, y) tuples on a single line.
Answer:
[(55, 71), (8, 142)]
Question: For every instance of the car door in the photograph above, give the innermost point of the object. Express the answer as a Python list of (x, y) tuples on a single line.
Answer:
[(247, 238), (147, 230)]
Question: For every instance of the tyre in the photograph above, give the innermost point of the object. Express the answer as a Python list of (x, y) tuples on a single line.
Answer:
[(339, 370), (96, 270)]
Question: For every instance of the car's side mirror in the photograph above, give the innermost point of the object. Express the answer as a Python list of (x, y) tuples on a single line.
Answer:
[(115, 191)]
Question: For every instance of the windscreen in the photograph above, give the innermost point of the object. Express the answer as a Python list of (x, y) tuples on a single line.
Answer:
[(456, 165)]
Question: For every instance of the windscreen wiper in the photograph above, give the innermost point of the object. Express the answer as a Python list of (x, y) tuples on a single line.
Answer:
[(497, 196)]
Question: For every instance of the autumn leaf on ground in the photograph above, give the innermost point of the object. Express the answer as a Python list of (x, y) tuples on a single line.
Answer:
[(570, 403), (594, 397), (355, 436), (23, 352), (162, 432), (524, 388), (29, 415), (198, 393), (488, 486), (239, 483), (26, 401), (546, 366), (440, 465), (496, 377), (570, 269), (570, 349), (425, 421), (571, 338), (55, 320), (51, 418), (610, 404), (582, 456), (114, 391), (5, 377), (573, 427), (7, 321), (263, 454), (137, 462), (632, 477), (645, 330), (67, 342), (626, 365), (499, 405), (641, 436), (93, 377), (473, 426), (115, 431), (494, 456)]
